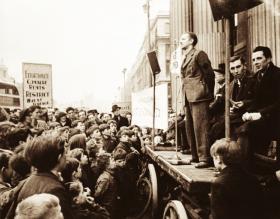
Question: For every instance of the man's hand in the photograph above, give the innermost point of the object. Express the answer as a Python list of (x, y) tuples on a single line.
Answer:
[(237, 105), (251, 116), (277, 173)]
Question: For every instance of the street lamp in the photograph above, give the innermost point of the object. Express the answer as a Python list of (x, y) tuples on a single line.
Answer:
[(123, 71), (146, 8)]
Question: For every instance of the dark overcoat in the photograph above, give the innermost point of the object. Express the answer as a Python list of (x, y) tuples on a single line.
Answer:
[(236, 194)]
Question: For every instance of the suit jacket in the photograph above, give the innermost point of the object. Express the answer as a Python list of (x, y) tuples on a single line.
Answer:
[(247, 90), (197, 77), (245, 93), (46, 183), (121, 121), (267, 100), (236, 194)]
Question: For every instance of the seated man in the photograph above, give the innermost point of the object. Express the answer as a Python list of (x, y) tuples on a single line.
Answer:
[(234, 193), (262, 117), (241, 92)]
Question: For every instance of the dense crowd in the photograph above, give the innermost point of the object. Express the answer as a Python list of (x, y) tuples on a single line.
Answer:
[(72, 164), (84, 164)]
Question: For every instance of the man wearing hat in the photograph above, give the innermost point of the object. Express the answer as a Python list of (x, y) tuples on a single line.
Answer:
[(121, 121)]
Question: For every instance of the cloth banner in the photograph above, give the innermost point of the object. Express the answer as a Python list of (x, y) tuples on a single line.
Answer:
[(142, 107)]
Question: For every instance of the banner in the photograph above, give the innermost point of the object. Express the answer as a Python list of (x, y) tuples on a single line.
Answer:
[(37, 85), (142, 107)]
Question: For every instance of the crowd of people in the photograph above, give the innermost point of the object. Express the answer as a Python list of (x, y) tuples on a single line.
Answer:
[(85, 164), (69, 164)]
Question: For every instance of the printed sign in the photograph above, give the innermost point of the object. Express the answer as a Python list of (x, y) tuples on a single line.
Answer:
[(37, 85), (142, 107)]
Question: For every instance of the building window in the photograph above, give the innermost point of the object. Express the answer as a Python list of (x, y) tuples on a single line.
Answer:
[(167, 28)]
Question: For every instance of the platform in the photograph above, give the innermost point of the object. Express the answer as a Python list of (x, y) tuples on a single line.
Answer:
[(192, 179)]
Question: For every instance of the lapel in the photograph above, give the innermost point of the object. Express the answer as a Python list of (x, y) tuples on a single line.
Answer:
[(231, 86), (188, 58)]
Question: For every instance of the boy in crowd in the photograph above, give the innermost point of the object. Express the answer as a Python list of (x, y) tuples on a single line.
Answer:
[(234, 193), (109, 143)]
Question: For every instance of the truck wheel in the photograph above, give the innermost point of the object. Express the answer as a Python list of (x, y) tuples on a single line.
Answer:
[(175, 210), (153, 180)]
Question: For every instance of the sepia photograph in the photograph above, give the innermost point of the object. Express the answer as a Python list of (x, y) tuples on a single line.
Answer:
[(139, 109)]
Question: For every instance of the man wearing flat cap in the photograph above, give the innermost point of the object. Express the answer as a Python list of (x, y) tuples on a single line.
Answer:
[(121, 121)]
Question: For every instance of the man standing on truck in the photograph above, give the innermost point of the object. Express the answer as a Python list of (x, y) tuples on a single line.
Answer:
[(198, 90)]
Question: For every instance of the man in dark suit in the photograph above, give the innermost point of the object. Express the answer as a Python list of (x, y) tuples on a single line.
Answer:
[(234, 193), (198, 89), (121, 121), (241, 91), (262, 117)]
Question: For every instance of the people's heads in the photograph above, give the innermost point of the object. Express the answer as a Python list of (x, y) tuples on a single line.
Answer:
[(105, 130), (50, 115), (17, 136), (39, 206), (133, 137), (80, 126), (21, 168), (73, 131), (103, 161), (91, 117), (79, 154), (6, 170), (94, 132), (61, 117), (82, 115), (45, 152), (35, 111), (188, 39), (147, 139), (92, 149), (106, 117), (93, 112), (113, 125), (145, 131), (71, 170), (136, 129), (124, 135), (77, 141), (78, 193), (116, 110), (54, 125), (70, 113), (172, 117), (261, 58), (237, 67), (158, 139), (25, 116), (129, 116), (63, 132), (226, 152)]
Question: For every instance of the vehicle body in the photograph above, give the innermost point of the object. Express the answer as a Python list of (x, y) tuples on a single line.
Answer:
[(9, 95), (178, 191)]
